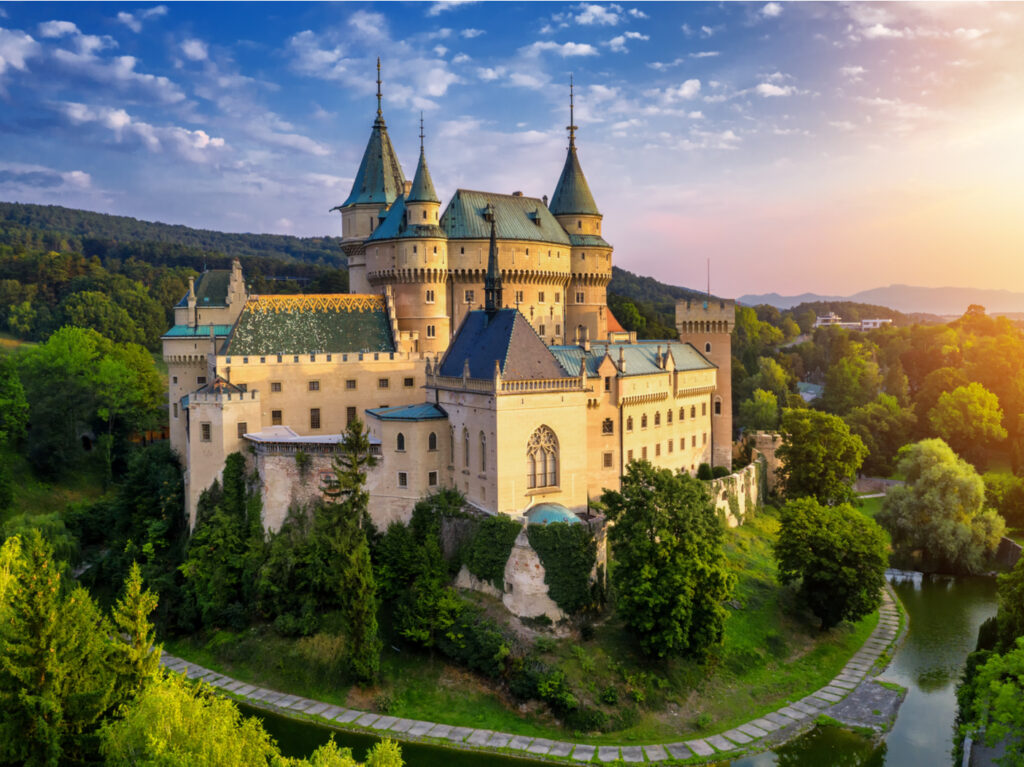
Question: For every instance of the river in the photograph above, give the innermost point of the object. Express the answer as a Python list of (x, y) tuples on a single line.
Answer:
[(945, 614)]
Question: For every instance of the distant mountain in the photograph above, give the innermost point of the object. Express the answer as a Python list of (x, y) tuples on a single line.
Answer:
[(908, 299)]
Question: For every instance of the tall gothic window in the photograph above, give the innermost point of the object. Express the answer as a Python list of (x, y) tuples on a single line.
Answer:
[(451, 445), (465, 447), (432, 442), (542, 459), (483, 452), (400, 443)]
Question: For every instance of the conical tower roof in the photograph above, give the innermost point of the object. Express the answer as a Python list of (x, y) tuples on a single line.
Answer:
[(422, 185), (380, 179), (572, 194)]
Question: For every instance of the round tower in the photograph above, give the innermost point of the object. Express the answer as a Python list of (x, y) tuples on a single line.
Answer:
[(573, 206)]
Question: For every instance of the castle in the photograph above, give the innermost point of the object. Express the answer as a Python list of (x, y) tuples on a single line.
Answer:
[(475, 343)]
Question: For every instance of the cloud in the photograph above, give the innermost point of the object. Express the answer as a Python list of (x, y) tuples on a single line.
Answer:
[(880, 31), (58, 29), (370, 26), (636, 13), (436, 9), (599, 15), (853, 73), (565, 50), (700, 139), (704, 54), (843, 125), (193, 145), (769, 90), (618, 43), (470, 33), (969, 34), (16, 48), (688, 90), (706, 31), (134, 20), (120, 73), (771, 10), (489, 74), (440, 50), (526, 80), (460, 58), (195, 50), (40, 177)]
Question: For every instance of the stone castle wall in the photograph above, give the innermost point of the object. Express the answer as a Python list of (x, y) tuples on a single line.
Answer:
[(742, 492)]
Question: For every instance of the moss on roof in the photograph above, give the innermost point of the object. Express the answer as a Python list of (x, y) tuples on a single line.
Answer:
[(307, 324)]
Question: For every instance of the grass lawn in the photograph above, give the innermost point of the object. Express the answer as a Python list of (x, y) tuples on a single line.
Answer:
[(772, 653), (10, 344), (869, 506), (36, 496)]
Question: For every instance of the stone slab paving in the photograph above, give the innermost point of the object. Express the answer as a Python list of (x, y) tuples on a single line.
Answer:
[(851, 697), (583, 753)]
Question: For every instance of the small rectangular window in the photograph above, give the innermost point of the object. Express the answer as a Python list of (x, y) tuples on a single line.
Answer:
[(430, 296), (383, 383), (703, 408), (243, 427), (519, 296), (328, 357), (204, 432), (314, 418), (245, 360), (295, 358), (657, 449), (275, 417), (608, 460), (671, 445), (403, 479), (558, 330), (432, 478), (350, 415), (314, 386), (263, 360), (580, 297), (431, 331), (607, 383), (558, 297), (629, 456), (469, 296), (693, 441), (541, 332), (174, 379), (175, 409), (201, 380), (540, 297), (275, 386), (312, 358), (643, 453), (350, 383), (409, 382), (705, 438)]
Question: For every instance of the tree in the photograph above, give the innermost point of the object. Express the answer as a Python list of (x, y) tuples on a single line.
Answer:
[(1010, 618), (884, 426), (850, 382), (13, 405), (969, 419), (998, 705), (820, 457), (137, 659), (670, 573), (938, 517), (760, 412), (837, 555)]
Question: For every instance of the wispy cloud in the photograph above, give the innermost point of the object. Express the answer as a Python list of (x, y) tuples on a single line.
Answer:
[(618, 43), (195, 50), (135, 20), (436, 9), (771, 10), (565, 50)]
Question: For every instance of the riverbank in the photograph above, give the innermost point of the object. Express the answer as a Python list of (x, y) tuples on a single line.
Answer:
[(761, 733)]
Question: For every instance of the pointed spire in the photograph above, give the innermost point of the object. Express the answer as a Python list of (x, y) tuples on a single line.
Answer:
[(492, 282), (422, 185), (379, 113), (572, 194)]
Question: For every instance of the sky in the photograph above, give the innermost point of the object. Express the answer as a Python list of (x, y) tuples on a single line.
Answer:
[(825, 147)]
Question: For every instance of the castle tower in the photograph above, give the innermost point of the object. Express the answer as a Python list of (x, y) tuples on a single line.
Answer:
[(378, 183), (591, 256), (707, 324), (409, 253)]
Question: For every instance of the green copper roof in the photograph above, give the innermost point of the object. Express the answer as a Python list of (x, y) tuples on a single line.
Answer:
[(572, 194), (310, 324), (422, 185), (424, 411), (516, 218), (199, 331), (395, 226), (211, 288), (380, 178), (589, 241), (639, 357)]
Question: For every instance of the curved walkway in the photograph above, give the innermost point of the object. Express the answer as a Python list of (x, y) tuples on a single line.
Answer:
[(757, 734)]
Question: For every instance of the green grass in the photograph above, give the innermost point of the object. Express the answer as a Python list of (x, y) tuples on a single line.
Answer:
[(33, 495), (869, 506), (10, 344), (772, 653)]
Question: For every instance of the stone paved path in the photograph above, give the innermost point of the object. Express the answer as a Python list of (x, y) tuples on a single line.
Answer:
[(754, 734)]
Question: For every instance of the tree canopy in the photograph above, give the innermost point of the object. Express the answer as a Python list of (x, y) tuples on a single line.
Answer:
[(969, 419), (820, 457)]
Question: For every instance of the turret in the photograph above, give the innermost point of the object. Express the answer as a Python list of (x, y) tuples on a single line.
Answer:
[(422, 206)]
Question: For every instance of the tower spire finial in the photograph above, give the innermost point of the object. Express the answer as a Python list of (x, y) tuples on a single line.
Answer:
[(421, 132), (379, 113), (572, 125)]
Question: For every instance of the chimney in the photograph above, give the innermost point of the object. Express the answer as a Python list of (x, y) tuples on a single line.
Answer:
[(586, 338), (622, 361)]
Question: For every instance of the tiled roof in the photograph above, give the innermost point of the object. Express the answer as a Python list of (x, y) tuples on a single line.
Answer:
[(613, 323), (395, 227), (379, 178), (304, 324), (211, 288), (220, 386), (425, 411), (422, 185), (516, 218), (589, 240), (572, 194), (199, 331), (504, 336), (639, 357)]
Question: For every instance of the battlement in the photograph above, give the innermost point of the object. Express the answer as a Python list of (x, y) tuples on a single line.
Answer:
[(705, 315)]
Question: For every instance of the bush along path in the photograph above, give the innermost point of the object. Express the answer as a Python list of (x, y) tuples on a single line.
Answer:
[(852, 698)]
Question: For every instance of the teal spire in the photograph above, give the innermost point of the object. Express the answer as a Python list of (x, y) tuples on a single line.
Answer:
[(492, 282), (380, 179), (572, 193), (422, 185)]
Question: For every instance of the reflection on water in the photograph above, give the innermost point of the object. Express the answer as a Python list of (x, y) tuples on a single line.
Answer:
[(945, 614)]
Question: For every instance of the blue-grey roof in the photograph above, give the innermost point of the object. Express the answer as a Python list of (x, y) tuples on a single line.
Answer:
[(639, 357), (425, 411), (504, 336), (546, 513), (515, 217), (211, 288), (395, 227), (379, 178), (199, 331), (572, 193), (422, 185)]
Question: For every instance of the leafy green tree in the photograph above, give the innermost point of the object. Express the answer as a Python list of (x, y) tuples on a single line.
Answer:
[(96, 310), (938, 517), (13, 405), (884, 426), (1010, 618), (969, 419), (760, 412), (670, 573), (998, 705), (429, 607), (850, 382), (820, 457), (837, 555), (1005, 493)]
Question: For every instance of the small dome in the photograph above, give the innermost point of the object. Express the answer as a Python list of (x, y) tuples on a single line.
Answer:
[(546, 513)]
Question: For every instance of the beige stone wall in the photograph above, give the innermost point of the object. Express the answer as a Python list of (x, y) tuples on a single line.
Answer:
[(741, 493), (766, 444), (526, 593), (284, 484)]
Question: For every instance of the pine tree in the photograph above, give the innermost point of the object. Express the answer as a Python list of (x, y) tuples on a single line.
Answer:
[(137, 659)]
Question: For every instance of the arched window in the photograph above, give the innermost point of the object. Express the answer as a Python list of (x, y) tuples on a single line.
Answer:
[(483, 452), (400, 442), (657, 418), (707, 347), (668, 415), (465, 447), (451, 445), (629, 424), (718, 406), (693, 411), (542, 459), (432, 442), (643, 421)]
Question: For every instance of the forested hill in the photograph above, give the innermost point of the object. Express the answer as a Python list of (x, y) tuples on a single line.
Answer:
[(52, 227)]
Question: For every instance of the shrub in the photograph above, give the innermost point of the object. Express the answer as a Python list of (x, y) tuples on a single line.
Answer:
[(586, 719), (609, 695), (720, 471), (488, 551), (568, 553), (704, 472)]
